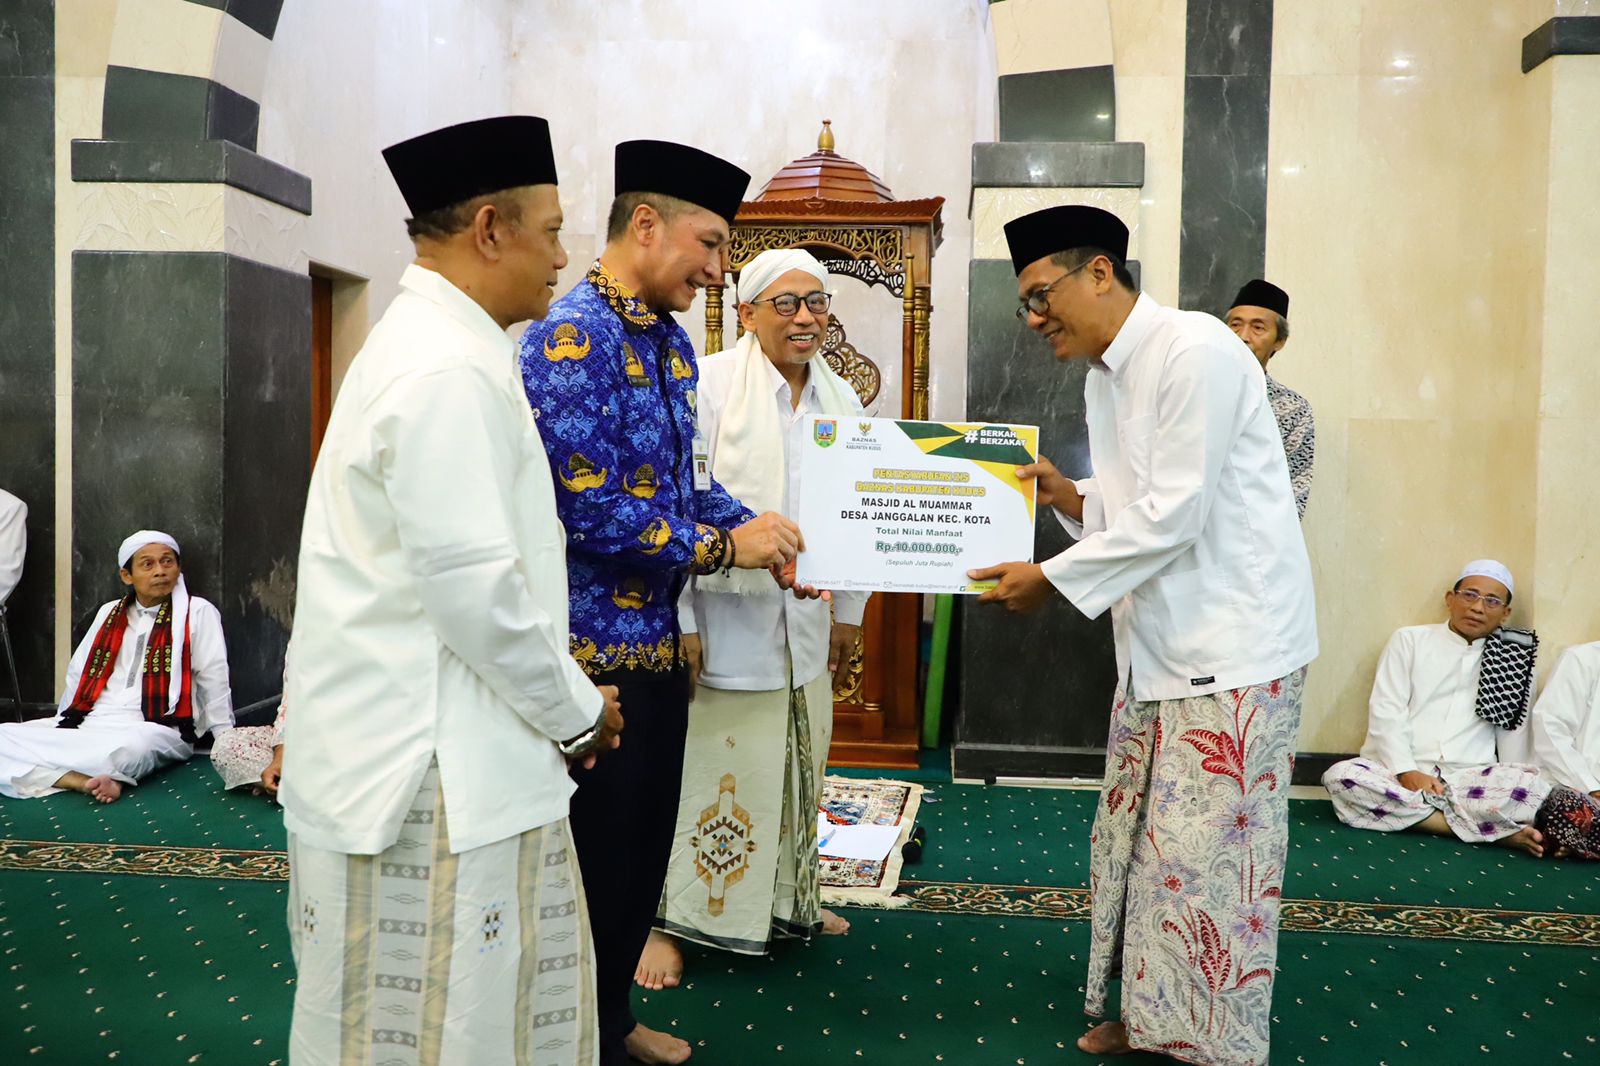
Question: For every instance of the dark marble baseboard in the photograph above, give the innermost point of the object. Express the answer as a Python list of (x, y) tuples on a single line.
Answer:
[(220, 162), (1568, 35), (259, 15), (1057, 165)]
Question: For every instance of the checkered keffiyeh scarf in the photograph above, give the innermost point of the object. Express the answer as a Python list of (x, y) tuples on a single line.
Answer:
[(1505, 676), (156, 694)]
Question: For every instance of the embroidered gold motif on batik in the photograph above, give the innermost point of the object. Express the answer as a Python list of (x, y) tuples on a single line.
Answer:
[(581, 474), (679, 366), (632, 595), (642, 484), (661, 657), (567, 342), (633, 366), (620, 298), (655, 536), (722, 844), (709, 547)]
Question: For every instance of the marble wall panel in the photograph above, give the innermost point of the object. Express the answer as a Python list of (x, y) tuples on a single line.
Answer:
[(1224, 212), (260, 15), (1050, 718), (148, 342), (27, 39), (27, 324), (266, 467), (993, 208), (1031, 35), (1079, 104)]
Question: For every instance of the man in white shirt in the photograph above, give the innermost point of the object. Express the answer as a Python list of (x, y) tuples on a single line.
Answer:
[(1187, 532), (1429, 761), (148, 678), (435, 899), (763, 661), (13, 542), (1566, 721)]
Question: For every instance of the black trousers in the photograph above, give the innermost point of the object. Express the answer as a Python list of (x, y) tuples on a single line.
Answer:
[(623, 817)]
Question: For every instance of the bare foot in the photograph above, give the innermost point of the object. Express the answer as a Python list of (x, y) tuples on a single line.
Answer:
[(1107, 1038), (832, 924), (647, 1045), (660, 963), (1528, 839), (104, 788)]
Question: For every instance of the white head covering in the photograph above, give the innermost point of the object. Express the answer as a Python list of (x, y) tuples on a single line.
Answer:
[(771, 265), (180, 602), (140, 539), (1489, 568)]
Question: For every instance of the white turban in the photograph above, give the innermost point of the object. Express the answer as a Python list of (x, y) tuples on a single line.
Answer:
[(140, 539), (1491, 569), (769, 266)]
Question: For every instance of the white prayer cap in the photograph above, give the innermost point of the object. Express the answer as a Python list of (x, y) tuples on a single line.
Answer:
[(140, 539), (769, 266), (1491, 569)]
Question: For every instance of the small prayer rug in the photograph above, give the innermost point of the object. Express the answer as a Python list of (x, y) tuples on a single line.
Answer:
[(850, 801)]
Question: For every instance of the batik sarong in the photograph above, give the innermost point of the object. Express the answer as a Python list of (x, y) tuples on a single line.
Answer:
[(1186, 868), (744, 860), (1570, 823), (417, 956), (1480, 803)]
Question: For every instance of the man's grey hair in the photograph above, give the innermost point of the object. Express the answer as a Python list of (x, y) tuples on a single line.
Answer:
[(1073, 258), (1283, 326)]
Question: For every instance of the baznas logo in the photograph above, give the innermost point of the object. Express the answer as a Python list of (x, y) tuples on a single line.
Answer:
[(827, 431), (865, 427)]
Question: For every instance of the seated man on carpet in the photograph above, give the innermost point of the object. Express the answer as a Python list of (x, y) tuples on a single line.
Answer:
[(149, 676), (764, 663), (1430, 760)]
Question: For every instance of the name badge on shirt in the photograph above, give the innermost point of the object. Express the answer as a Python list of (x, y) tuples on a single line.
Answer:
[(702, 464)]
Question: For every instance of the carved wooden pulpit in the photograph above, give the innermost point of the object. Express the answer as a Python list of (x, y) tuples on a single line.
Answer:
[(845, 216)]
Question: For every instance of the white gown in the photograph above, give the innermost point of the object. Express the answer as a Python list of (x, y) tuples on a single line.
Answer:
[(115, 738)]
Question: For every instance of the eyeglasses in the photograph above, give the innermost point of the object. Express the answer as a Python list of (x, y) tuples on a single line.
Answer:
[(788, 304), (1470, 596), (1038, 300)]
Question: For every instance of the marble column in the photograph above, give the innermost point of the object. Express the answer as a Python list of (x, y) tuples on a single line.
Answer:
[(27, 326), (1227, 88)]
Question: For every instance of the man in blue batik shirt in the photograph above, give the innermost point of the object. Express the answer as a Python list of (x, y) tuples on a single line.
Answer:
[(611, 378)]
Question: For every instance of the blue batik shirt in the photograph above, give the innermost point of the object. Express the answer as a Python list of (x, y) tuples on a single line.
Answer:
[(612, 385)]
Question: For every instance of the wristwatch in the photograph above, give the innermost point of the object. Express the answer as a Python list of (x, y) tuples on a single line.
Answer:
[(580, 744)]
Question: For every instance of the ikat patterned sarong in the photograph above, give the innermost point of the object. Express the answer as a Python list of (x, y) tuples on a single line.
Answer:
[(420, 957), (1480, 803), (1186, 868)]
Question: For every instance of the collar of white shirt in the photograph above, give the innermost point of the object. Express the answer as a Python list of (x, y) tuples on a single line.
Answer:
[(1134, 327), (780, 384), (436, 289)]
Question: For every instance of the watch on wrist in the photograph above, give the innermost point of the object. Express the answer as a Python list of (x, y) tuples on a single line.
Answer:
[(582, 743)]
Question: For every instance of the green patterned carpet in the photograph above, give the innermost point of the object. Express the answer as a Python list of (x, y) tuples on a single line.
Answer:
[(152, 931)]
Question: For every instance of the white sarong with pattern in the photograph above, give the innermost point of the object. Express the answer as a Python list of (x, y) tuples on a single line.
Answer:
[(416, 957), (744, 861)]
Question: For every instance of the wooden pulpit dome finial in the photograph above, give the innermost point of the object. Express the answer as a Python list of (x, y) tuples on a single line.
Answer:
[(825, 138)]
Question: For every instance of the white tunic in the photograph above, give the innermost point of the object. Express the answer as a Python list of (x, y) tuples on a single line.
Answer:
[(115, 738), (1566, 720), (13, 542), (1421, 712), (746, 639), (431, 618), (1189, 534)]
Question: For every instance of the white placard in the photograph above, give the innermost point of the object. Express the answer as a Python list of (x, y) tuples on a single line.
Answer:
[(892, 506)]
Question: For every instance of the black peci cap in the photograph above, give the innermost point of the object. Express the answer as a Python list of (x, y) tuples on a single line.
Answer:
[(680, 171), (452, 165)]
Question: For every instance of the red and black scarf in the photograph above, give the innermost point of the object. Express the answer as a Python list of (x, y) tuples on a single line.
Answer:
[(157, 673)]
